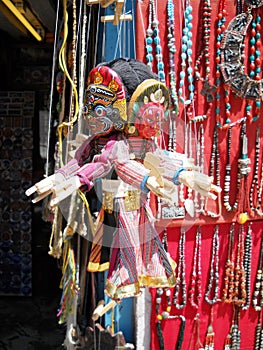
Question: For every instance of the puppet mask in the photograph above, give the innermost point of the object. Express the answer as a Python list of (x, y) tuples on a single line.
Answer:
[(105, 102), (148, 108)]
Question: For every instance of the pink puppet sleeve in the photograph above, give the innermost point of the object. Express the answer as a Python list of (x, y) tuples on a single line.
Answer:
[(115, 154), (100, 166)]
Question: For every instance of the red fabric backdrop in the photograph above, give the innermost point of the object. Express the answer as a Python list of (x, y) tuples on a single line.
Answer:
[(223, 312)]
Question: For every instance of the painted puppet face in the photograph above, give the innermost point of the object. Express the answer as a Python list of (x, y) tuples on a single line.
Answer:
[(148, 107), (148, 122), (105, 104)]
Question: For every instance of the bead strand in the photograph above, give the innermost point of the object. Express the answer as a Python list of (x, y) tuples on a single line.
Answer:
[(228, 289), (258, 62), (172, 52), (149, 39), (195, 292), (254, 193), (180, 286), (215, 173), (247, 266), (228, 176), (240, 295), (213, 284), (258, 334), (221, 19), (186, 57), (158, 46), (204, 55), (257, 300)]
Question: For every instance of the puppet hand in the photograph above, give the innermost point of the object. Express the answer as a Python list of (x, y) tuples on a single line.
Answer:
[(44, 187), (164, 191), (199, 182), (64, 190)]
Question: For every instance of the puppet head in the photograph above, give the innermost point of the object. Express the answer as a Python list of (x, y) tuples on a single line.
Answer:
[(148, 108), (111, 85), (105, 102)]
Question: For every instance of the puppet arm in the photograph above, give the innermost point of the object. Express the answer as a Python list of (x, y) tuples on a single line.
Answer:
[(179, 169), (71, 177), (136, 174), (44, 187)]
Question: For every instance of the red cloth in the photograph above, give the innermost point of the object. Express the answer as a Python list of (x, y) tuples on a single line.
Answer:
[(222, 312)]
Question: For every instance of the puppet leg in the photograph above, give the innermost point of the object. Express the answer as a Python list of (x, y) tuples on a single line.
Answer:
[(138, 258), (157, 269), (102, 241)]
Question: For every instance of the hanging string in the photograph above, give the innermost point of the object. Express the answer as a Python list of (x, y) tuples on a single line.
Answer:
[(82, 65), (103, 42), (52, 88), (118, 42), (63, 66), (133, 30), (87, 33), (97, 38)]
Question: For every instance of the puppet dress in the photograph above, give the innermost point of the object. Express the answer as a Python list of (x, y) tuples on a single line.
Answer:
[(125, 240)]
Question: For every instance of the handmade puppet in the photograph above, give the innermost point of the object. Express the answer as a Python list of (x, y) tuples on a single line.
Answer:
[(125, 107)]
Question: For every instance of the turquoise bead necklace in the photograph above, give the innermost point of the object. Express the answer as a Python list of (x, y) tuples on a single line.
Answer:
[(254, 64), (172, 51), (152, 37), (186, 57), (221, 19)]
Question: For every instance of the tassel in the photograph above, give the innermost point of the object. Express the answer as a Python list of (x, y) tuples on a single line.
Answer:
[(68, 283)]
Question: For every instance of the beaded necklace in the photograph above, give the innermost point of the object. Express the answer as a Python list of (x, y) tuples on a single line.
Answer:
[(235, 282), (233, 338), (172, 133), (172, 51), (243, 171), (228, 289), (180, 339), (152, 37), (162, 316), (254, 63), (258, 344), (215, 173), (195, 292), (200, 148), (257, 300), (180, 286), (227, 204), (254, 193), (186, 56), (213, 284), (204, 56), (221, 19), (247, 266), (240, 294)]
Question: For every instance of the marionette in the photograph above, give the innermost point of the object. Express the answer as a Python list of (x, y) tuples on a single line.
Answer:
[(125, 108)]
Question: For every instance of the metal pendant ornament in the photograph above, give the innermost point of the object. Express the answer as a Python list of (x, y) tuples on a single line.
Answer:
[(232, 56)]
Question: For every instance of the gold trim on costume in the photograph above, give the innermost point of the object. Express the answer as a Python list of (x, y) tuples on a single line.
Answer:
[(156, 282), (131, 200), (97, 267), (107, 201), (131, 290)]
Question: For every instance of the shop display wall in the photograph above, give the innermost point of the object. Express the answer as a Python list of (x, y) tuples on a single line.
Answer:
[(225, 110)]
